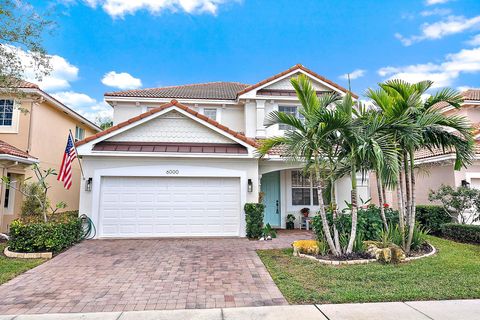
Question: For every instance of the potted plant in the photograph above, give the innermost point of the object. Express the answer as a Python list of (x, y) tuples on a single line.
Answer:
[(290, 221), (268, 232), (305, 212)]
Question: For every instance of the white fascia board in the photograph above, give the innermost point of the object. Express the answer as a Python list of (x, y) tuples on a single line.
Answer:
[(435, 159), (9, 157), (252, 94), (86, 148), (111, 100), (64, 108), (167, 155)]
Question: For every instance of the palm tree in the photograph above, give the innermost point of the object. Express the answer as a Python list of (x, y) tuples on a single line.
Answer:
[(307, 141), (428, 128)]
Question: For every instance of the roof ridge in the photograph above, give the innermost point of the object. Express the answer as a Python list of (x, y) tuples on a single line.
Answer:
[(173, 102), (179, 86)]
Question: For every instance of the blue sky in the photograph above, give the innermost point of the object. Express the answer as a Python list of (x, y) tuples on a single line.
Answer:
[(151, 43)]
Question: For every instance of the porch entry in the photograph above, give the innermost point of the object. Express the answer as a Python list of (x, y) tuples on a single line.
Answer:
[(270, 186)]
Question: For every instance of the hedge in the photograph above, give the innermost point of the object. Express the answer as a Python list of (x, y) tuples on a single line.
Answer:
[(254, 219), (44, 237), (461, 232), (432, 217)]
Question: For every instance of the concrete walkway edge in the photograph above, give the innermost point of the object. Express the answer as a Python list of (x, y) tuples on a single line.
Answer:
[(422, 310)]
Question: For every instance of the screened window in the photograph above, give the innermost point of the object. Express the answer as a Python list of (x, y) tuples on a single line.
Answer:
[(6, 112), (292, 110), (304, 190), (79, 133), (211, 113)]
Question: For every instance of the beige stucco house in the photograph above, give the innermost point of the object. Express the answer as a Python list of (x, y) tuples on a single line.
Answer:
[(436, 167), (33, 129), (182, 160)]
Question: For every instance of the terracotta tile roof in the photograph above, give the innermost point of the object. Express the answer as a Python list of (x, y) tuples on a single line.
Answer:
[(129, 146), (210, 90), (18, 83), (472, 94), (295, 67), (8, 149), (237, 135)]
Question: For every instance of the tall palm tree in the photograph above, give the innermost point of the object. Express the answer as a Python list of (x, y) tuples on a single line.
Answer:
[(429, 128), (307, 140)]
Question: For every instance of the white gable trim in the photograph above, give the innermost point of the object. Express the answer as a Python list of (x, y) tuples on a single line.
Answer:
[(86, 149), (252, 94)]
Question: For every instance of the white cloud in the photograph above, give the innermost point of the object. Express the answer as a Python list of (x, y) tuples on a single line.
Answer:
[(443, 74), (440, 29), (120, 8), (121, 80), (76, 99), (61, 74), (434, 2), (474, 41), (358, 73), (85, 105), (436, 12), (463, 88)]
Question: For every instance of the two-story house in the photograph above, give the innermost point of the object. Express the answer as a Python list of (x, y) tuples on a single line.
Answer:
[(33, 129), (182, 160)]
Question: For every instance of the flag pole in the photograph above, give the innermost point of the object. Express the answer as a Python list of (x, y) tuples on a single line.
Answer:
[(73, 141)]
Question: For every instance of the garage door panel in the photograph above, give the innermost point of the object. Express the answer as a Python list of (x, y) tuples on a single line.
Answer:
[(169, 206)]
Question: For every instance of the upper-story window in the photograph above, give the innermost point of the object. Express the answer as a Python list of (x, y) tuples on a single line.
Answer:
[(79, 134), (304, 190), (292, 110), (211, 113), (6, 112)]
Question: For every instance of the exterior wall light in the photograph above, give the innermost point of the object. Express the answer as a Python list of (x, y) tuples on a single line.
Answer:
[(88, 184), (465, 184), (250, 185)]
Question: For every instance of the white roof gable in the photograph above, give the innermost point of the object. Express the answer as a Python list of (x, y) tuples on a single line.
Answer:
[(284, 84), (171, 126)]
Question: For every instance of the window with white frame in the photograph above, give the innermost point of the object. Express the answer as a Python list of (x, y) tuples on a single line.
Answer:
[(6, 112), (291, 110), (79, 134), (211, 113), (304, 189)]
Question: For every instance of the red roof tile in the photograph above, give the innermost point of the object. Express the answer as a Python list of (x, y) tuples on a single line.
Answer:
[(472, 94), (6, 148), (237, 135)]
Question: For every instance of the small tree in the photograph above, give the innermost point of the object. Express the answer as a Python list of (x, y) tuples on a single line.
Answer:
[(462, 203), (35, 193)]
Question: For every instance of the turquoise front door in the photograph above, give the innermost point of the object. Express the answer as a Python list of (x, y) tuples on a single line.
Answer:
[(270, 186)]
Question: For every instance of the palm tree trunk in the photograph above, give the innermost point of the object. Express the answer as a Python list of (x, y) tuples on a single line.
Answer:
[(401, 216), (407, 186), (411, 223), (323, 215), (336, 237), (381, 200), (353, 231)]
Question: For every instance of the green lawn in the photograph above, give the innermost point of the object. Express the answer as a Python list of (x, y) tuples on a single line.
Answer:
[(10, 268), (453, 273)]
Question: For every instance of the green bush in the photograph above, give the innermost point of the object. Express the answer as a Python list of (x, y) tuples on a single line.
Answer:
[(461, 232), (432, 217), (254, 219), (41, 236), (31, 206)]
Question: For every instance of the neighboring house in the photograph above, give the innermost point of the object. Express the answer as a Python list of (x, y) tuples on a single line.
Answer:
[(186, 167), (436, 167), (33, 129)]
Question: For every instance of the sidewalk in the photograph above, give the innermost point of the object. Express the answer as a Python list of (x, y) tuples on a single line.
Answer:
[(422, 310)]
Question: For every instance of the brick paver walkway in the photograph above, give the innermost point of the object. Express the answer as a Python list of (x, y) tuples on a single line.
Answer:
[(153, 274)]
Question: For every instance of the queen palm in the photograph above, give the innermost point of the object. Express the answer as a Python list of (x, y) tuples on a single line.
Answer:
[(308, 140), (429, 128)]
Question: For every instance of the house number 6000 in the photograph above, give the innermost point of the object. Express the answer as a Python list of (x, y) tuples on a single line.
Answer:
[(172, 172)]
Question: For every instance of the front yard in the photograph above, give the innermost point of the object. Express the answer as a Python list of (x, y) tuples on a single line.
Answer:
[(454, 273), (10, 268)]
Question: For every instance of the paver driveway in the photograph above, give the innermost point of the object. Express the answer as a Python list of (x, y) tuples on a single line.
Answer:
[(115, 275)]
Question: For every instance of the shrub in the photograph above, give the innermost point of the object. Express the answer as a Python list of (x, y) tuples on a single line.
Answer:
[(432, 217), (461, 232), (254, 219), (31, 206), (458, 202), (307, 246), (44, 236)]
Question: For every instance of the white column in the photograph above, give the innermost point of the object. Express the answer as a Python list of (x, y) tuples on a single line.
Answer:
[(250, 114), (260, 118)]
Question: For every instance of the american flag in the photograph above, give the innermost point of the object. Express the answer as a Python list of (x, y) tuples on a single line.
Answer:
[(65, 173)]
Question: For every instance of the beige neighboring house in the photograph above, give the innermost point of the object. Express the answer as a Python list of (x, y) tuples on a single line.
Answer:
[(33, 129), (437, 167)]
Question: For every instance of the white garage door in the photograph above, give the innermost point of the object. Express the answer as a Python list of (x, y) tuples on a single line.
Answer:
[(169, 206)]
